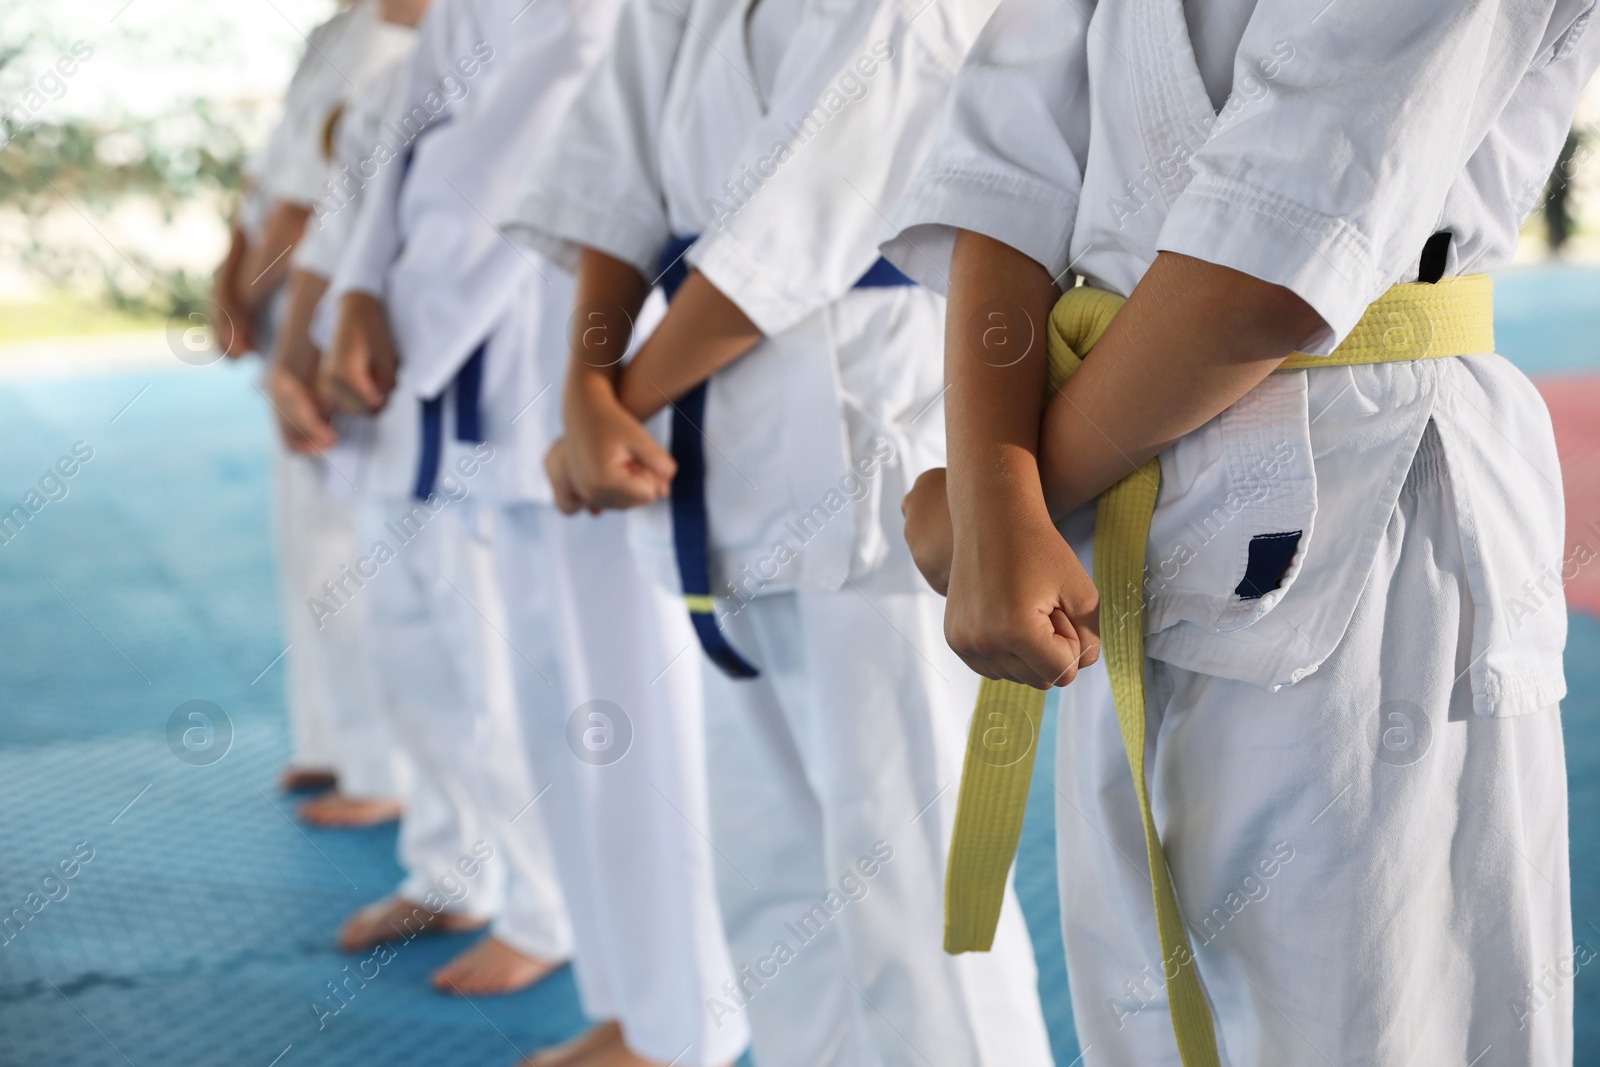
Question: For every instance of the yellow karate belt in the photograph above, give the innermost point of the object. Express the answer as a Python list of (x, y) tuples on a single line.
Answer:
[(1453, 317)]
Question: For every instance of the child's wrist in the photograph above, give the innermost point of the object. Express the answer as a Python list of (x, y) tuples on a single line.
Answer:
[(998, 515), (591, 387), (639, 398), (1001, 486)]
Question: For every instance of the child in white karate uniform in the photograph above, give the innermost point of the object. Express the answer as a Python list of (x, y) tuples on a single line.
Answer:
[(317, 500), (1350, 740), (439, 317), (283, 180), (742, 153)]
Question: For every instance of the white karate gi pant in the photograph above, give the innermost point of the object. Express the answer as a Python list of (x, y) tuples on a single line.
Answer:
[(833, 790), (610, 698), (1370, 873), (332, 721), (436, 645)]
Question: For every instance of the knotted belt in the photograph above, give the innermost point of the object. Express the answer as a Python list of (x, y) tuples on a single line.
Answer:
[(467, 385), (1413, 321), (691, 538), (467, 388)]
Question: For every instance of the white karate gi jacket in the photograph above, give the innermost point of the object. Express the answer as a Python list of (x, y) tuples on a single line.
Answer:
[(1315, 147), (341, 54), (786, 187), (357, 150), (488, 84)]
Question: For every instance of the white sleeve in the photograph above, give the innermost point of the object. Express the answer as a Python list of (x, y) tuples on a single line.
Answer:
[(303, 166), (838, 154), (1331, 182), (1509, 171), (322, 248), (598, 183), (374, 237), (1008, 160), (295, 166), (374, 234)]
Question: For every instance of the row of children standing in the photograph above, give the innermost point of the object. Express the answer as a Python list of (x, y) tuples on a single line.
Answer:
[(620, 259), (718, 858)]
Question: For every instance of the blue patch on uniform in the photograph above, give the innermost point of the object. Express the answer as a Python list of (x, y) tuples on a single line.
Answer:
[(1270, 556)]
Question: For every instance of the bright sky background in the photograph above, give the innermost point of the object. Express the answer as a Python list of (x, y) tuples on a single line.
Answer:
[(153, 55), (151, 59)]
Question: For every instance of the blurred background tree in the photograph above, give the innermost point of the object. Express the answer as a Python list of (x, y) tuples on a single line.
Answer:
[(169, 162), (116, 181), (116, 188)]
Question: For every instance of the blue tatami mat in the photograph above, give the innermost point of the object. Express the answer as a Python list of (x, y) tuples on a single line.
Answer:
[(196, 927), (1547, 318)]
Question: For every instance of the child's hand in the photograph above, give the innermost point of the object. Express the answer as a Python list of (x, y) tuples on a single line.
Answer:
[(928, 529), (302, 417), (231, 324), (1021, 606), (363, 365), (559, 469), (612, 460)]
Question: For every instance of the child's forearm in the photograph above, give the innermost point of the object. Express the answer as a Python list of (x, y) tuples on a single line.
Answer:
[(606, 458), (266, 262), (702, 333), (231, 322), (1020, 606), (1192, 339), (606, 303), (294, 351), (227, 284), (995, 359)]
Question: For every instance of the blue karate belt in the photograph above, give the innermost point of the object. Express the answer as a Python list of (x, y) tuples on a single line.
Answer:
[(467, 385), (467, 389), (690, 517)]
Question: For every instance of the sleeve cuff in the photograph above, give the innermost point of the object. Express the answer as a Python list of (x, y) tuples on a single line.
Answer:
[(314, 257), (1323, 260), (743, 279), (559, 226), (300, 181), (361, 272), (320, 251), (1033, 218)]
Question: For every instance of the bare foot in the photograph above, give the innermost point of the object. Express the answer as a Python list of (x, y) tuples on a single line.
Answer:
[(621, 1056), (393, 919), (335, 811), (489, 968), (596, 1041), (602, 1046), (294, 779)]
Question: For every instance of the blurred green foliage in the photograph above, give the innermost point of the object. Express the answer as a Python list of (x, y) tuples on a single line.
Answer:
[(90, 167)]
